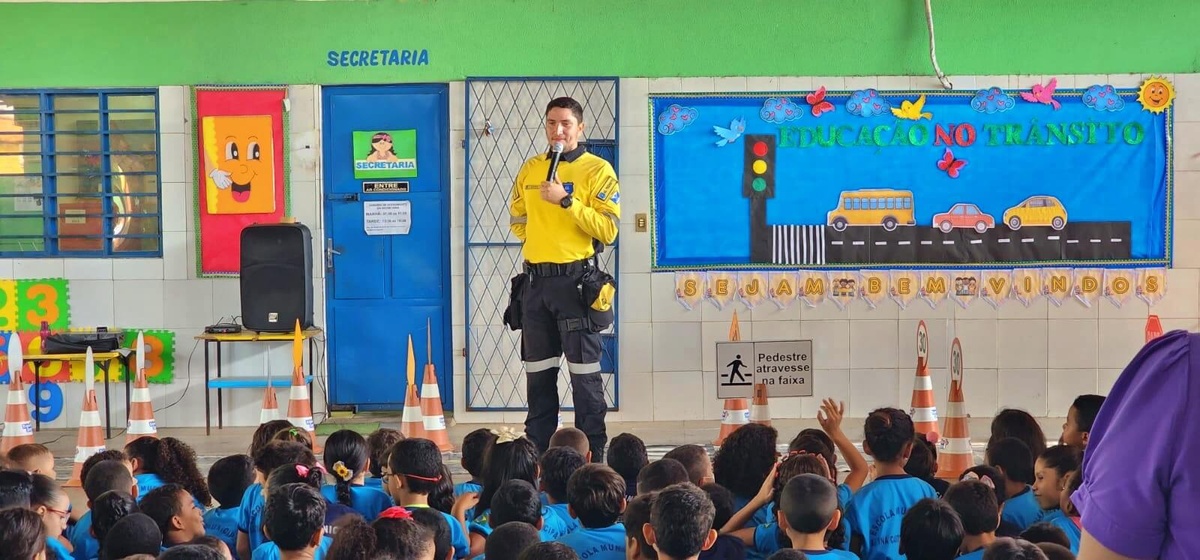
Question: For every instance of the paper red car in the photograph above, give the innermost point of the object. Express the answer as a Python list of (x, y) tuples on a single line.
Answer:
[(964, 216)]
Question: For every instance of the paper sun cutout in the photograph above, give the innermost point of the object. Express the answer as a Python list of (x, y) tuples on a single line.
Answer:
[(1103, 98), (911, 110), (676, 118), (816, 99), (992, 100), (729, 135), (1156, 94), (950, 165), (866, 103), (1043, 94), (779, 110)]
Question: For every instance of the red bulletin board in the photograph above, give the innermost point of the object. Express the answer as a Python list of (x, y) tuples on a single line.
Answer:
[(231, 129)]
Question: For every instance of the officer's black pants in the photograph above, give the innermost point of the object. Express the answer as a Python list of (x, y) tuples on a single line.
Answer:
[(549, 300)]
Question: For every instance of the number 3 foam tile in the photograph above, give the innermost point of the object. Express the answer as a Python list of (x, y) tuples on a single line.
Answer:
[(43, 299), (160, 353), (8, 305)]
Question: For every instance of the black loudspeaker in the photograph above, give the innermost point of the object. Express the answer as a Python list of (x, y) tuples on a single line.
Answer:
[(277, 277)]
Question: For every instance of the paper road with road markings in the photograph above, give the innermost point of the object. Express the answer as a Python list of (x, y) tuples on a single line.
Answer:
[(785, 366)]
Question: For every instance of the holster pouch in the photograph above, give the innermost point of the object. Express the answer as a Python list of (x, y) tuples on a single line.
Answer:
[(516, 295), (599, 291)]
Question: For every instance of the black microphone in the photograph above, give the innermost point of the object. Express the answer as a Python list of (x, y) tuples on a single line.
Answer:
[(555, 156)]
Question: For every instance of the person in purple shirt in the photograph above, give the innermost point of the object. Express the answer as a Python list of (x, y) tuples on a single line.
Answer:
[(1140, 486)]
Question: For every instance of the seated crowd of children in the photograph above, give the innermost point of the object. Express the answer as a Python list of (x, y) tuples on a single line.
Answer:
[(385, 497)]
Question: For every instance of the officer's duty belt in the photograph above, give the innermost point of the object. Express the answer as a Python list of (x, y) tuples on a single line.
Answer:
[(556, 269)]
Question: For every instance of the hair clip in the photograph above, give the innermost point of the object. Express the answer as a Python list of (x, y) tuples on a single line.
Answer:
[(507, 435), (933, 437), (395, 512), (302, 470), (342, 472)]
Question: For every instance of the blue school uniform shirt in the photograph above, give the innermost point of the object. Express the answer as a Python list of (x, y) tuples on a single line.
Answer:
[(467, 488), (766, 541), (761, 517), (86, 546), (607, 543), (830, 554), (55, 550), (270, 551), (976, 555), (368, 502), (149, 481), (1022, 510), (223, 524), (844, 495), (560, 511), (553, 527), (458, 538), (250, 515), (1059, 519), (876, 510), (372, 482)]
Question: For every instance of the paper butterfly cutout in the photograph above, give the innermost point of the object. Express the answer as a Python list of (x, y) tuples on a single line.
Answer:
[(950, 165), (817, 100), (1043, 94), (729, 135)]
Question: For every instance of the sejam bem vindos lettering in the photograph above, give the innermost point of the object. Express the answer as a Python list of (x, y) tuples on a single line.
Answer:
[(379, 57)]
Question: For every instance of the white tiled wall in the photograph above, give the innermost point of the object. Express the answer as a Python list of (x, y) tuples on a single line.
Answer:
[(1036, 358), (166, 294)]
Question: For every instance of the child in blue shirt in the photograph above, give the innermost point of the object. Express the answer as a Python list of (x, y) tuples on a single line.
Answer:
[(266, 459), (1050, 483), (435, 521), (825, 442), (517, 500), (294, 520), (876, 511), (808, 511), (474, 447), (379, 443), (637, 515), (415, 470), (509, 540), (596, 497), (930, 530), (627, 455), (764, 539), (228, 480), (168, 460), (511, 457), (975, 503), (396, 534), (743, 463), (103, 478), (558, 464), (1012, 457), (681, 520), (347, 458), (48, 500)]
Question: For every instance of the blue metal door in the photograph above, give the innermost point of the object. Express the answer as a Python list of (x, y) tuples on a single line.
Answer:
[(384, 281)]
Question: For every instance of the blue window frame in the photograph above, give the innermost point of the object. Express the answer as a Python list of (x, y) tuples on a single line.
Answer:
[(79, 173)]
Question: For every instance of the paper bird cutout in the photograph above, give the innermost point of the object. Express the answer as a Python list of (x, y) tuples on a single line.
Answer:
[(729, 135), (817, 100), (950, 165), (1042, 94), (912, 110)]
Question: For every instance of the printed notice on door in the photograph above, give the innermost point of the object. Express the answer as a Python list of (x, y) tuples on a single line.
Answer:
[(393, 217)]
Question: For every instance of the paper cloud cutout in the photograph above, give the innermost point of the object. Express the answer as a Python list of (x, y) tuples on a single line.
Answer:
[(992, 100), (867, 103), (676, 118), (779, 110), (1103, 98)]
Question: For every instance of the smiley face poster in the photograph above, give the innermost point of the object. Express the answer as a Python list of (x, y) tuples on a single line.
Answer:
[(240, 174)]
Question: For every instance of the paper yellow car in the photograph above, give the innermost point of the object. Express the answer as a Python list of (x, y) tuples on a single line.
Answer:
[(1037, 211)]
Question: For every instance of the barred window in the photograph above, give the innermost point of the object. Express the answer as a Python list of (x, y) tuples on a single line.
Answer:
[(79, 174)]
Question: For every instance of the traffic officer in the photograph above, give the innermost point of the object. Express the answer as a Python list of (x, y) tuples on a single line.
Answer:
[(558, 222)]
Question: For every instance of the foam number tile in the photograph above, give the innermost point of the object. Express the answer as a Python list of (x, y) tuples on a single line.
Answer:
[(50, 405), (8, 304), (160, 353), (4, 357), (54, 371), (42, 300)]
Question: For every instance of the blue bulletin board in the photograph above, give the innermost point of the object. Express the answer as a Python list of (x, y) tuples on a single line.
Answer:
[(870, 179)]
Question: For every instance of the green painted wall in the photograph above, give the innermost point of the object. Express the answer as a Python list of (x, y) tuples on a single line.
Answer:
[(284, 41)]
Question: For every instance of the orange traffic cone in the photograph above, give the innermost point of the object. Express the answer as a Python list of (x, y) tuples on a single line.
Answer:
[(737, 411), (924, 409), (141, 409), (412, 423), (18, 425), (955, 455), (1154, 328), (299, 406), (760, 412), (91, 436), (270, 404), (431, 401)]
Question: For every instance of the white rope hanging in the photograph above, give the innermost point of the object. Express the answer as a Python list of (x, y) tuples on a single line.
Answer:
[(933, 48)]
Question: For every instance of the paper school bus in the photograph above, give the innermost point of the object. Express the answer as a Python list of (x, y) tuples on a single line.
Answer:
[(873, 207)]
